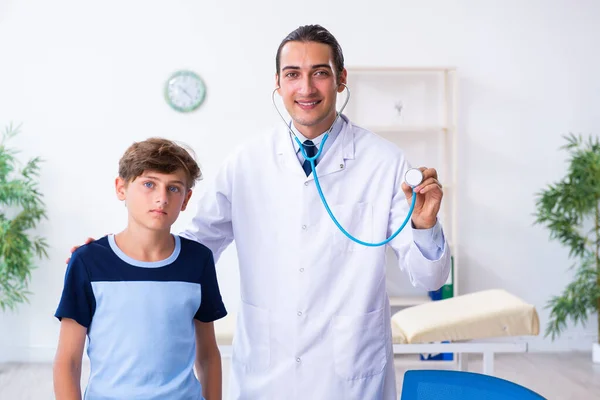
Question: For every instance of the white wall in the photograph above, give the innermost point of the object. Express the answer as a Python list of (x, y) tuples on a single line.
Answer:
[(86, 80)]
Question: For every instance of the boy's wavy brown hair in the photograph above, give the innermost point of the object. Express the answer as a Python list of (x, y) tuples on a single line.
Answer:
[(161, 155)]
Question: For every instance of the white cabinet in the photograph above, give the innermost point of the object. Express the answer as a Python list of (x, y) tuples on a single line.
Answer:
[(415, 108)]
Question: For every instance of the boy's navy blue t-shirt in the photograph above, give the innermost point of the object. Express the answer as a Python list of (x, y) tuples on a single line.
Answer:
[(140, 317)]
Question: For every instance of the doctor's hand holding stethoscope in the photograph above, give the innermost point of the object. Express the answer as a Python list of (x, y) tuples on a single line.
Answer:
[(429, 198)]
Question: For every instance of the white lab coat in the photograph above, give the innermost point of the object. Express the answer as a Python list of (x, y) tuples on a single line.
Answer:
[(314, 317)]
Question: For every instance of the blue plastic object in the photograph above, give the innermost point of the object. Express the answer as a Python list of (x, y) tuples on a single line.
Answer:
[(460, 385), (438, 356), (435, 295)]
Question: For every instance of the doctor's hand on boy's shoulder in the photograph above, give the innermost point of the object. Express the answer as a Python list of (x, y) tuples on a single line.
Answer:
[(88, 240), (429, 198)]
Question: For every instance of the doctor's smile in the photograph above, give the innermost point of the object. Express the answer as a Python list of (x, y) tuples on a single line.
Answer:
[(307, 105)]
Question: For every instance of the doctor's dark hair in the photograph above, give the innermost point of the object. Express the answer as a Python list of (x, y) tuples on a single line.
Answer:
[(160, 155), (314, 33)]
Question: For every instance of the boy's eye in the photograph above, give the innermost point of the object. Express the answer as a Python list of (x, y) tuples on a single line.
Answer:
[(174, 189), (149, 185)]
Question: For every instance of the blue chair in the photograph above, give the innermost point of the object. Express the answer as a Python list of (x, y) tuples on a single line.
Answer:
[(460, 385)]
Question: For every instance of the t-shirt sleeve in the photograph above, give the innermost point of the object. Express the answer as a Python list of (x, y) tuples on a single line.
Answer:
[(77, 301), (211, 304)]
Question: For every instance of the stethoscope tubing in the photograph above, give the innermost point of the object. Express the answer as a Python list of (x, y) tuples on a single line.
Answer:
[(318, 185)]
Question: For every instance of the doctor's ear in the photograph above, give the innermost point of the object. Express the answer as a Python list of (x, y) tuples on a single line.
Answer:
[(277, 86), (342, 80)]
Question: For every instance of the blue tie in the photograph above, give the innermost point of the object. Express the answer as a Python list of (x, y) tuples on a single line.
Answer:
[(311, 150)]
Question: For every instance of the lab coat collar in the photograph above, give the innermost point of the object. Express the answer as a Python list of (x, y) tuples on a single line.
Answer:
[(333, 161), (335, 131)]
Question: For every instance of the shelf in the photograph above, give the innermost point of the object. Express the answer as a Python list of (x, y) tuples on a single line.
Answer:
[(406, 129), (416, 108), (407, 301), (400, 69)]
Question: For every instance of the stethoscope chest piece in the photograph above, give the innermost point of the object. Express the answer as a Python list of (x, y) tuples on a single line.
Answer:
[(413, 177)]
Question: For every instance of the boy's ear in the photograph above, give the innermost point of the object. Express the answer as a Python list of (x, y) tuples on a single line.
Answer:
[(186, 200), (120, 186)]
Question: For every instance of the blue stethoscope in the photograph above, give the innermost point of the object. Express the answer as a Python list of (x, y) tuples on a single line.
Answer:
[(413, 177)]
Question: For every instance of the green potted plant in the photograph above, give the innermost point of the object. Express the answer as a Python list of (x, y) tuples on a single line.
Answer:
[(570, 209), (21, 209)]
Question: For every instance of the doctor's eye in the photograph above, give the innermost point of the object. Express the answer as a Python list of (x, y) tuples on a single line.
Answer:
[(322, 73), (291, 75)]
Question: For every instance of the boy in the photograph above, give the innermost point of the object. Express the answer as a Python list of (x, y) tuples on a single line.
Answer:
[(141, 295)]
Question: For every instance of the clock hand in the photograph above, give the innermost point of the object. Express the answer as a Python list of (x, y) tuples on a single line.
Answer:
[(184, 91)]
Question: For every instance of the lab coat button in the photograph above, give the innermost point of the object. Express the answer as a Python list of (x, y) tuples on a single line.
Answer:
[(305, 183), (341, 166), (301, 269), (303, 226), (299, 313), (298, 359)]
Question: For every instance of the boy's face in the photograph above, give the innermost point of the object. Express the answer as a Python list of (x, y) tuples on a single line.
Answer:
[(308, 85), (154, 199)]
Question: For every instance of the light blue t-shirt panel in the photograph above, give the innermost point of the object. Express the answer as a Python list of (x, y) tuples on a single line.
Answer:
[(140, 318), (148, 348)]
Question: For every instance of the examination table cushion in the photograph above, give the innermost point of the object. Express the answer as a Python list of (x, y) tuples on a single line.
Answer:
[(486, 314)]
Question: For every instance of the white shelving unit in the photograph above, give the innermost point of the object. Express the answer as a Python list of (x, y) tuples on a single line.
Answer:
[(415, 108)]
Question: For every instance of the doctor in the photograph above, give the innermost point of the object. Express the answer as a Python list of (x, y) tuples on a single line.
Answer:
[(314, 317)]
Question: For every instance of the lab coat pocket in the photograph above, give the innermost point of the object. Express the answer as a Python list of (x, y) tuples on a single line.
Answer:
[(357, 220), (252, 343), (359, 345)]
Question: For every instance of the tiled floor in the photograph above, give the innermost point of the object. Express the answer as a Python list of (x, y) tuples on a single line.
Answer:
[(557, 376)]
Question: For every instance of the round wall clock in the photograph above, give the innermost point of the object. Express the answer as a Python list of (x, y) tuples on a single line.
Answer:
[(185, 91)]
